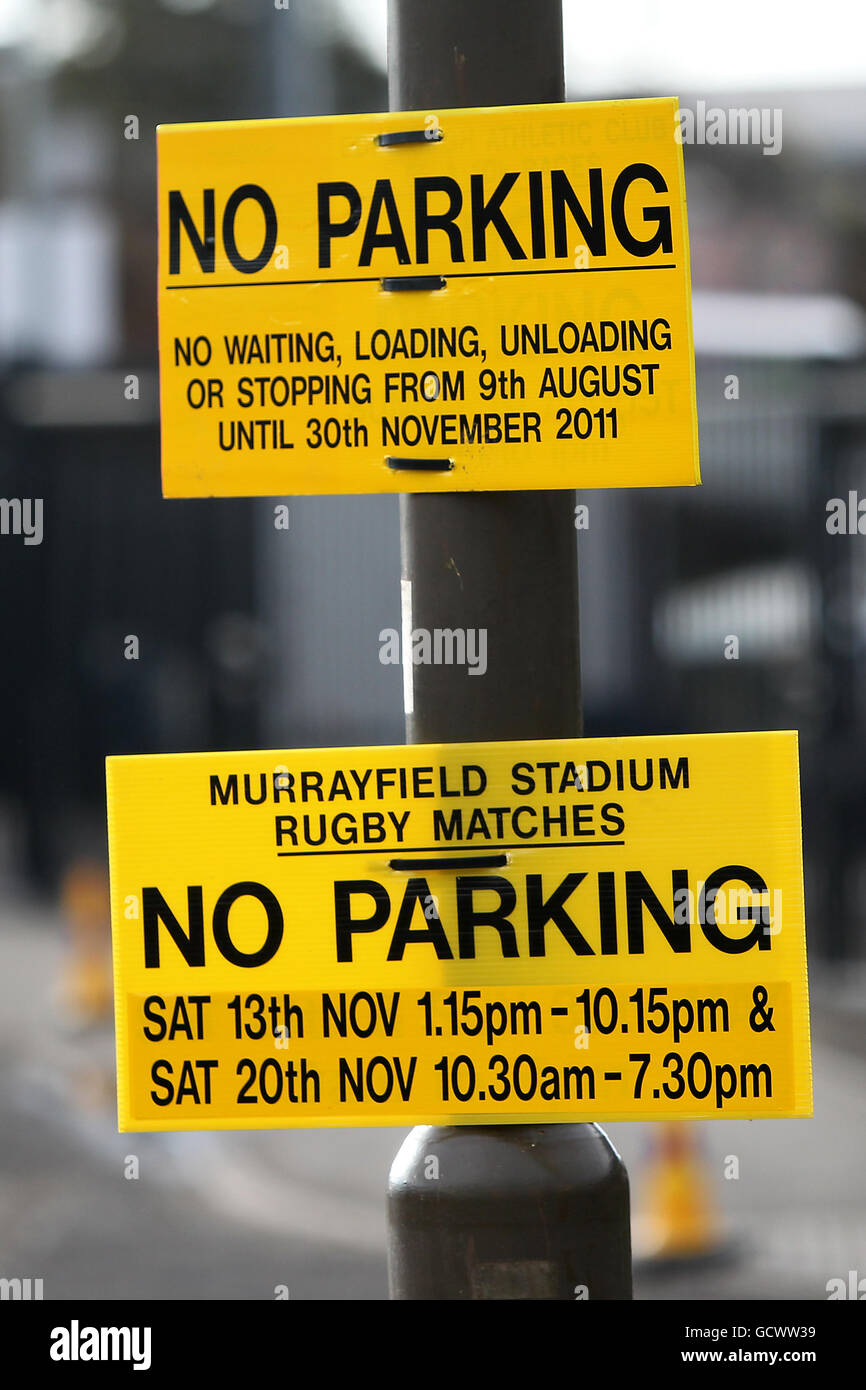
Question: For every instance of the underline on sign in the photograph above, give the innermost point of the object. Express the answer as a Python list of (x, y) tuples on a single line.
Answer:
[(449, 275), (447, 849)]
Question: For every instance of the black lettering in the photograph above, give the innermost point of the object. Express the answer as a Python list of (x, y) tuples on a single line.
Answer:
[(539, 912), (432, 933), (345, 924), (674, 777), (203, 246), (591, 228), (426, 221), (661, 238), (469, 917), (155, 909), (638, 895), (733, 946), (489, 213), (383, 197), (328, 229), (154, 1001), (221, 924), (166, 1085), (249, 264)]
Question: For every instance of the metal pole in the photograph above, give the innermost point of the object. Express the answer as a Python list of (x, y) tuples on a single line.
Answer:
[(514, 1211)]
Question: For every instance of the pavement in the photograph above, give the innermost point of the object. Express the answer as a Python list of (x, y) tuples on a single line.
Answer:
[(301, 1213)]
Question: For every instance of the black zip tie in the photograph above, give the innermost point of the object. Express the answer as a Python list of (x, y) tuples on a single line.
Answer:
[(472, 861), (410, 137), (413, 282), (420, 465)]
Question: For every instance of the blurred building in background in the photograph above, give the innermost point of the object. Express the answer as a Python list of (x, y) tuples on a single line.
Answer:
[(721, 608)]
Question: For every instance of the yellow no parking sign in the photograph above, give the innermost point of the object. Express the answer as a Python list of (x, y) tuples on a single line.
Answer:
[(485, 933), (436, 301)]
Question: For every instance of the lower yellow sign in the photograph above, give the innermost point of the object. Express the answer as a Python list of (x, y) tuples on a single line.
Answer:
[(474, 933)]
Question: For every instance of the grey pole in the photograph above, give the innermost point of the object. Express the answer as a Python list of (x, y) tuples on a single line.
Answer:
[(510, 1211)]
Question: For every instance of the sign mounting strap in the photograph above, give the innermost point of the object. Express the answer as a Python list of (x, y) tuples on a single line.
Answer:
[(413, 282), (410, 137), (420, 465)]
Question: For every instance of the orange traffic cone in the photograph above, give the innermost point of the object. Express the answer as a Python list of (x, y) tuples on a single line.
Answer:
[(676, 1216), (87, 985)]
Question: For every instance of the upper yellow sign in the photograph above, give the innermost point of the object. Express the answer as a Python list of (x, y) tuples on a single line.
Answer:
[(490, 933), (426, 301)]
